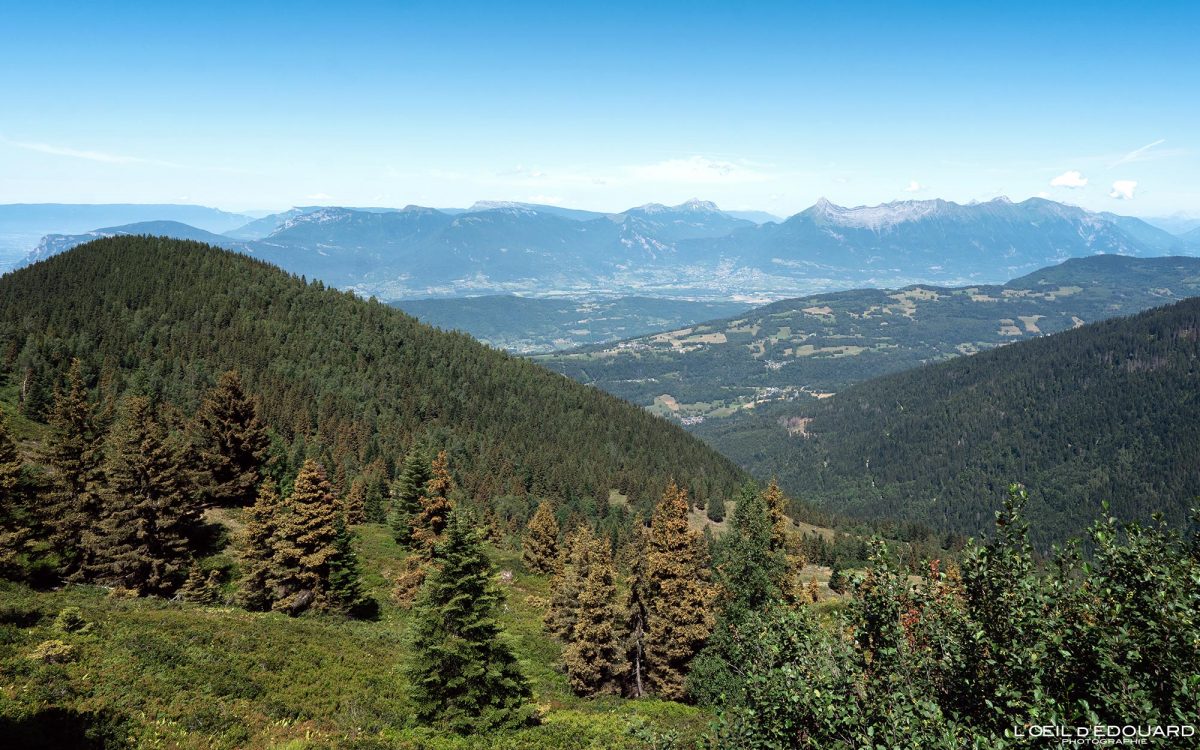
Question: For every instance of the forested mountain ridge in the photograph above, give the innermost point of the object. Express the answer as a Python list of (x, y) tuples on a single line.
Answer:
[(347, 380), (1107, 412), (820, 344)]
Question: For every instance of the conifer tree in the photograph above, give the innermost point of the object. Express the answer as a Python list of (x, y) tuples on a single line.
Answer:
[(406, 494), (231, 443), (837, 580), (427, 525), (15, 490), (715, 509), (784, 542), (149, 511), (259, 539), (373, 509), (356, 502), (435, 503), (568, 583), (201, 588), (539, 546), (594, 658), (74, 452), (749, 574), (636, 614), (305, 542), (463, 676), (750, 570), (345, 578), (677, 593)]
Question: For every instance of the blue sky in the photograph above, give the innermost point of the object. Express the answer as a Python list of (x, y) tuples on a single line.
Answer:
[(603, 105)]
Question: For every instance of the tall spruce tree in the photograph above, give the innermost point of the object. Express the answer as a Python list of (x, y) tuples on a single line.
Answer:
[(715, 509), (636, 615), (539, 545), (784, 542), (463, 676), (15, 491), (594, 658), (373, 509), (356, 502), (678, 595), (259, 539), (569, 582), (149, 511), (406, 494), (435, 503), (305, 543), (74, 452), (345, 579), (427, 525), (231, 443)]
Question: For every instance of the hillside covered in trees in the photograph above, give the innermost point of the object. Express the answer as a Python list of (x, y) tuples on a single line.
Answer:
[(1107, 412), (798, 349), (351, 382)]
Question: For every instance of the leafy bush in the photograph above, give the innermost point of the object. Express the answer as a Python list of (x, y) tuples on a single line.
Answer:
[(963, 659)]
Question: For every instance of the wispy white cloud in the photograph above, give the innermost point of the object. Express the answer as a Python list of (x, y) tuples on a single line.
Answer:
[(1138, 154), (319, 197), (1072, 178), (87, 155), (1123, 189), (696, 169), (914, 187)]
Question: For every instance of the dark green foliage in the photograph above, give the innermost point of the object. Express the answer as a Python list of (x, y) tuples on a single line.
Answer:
[(374, 509), (714, 509), (149, 511), (1107, 411), (74, 451), (837, 581), (463, 675), (16, 521), (231, 443), (749, 572), (353, 378), (961, 660), (345, 585), (406, 493)]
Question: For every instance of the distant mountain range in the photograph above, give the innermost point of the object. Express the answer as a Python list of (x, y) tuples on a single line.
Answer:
[(53, 244), (690, 250)]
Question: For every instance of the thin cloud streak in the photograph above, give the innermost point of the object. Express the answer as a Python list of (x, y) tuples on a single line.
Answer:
[(1138, 154), (74, 153)]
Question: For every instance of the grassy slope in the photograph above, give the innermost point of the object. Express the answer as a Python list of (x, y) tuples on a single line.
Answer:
[(187, 676)]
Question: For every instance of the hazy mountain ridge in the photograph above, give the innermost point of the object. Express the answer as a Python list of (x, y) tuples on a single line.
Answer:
[(693, 249), (819, 344), (53, 244)]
